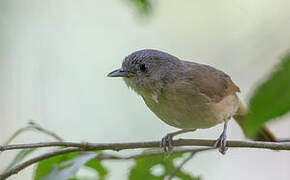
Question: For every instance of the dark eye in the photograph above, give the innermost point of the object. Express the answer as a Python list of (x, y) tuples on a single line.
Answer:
[(143, 67)]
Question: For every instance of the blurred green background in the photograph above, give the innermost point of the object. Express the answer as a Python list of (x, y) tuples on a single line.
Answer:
[(55, 54)]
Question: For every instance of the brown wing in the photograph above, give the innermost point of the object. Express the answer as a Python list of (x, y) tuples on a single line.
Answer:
[(212, 82)]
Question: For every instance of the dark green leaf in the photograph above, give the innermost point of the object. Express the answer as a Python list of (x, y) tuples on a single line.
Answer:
[(143, 168), (65, 166), (44, 167), (68, 169), (98, 167), (271, 99)]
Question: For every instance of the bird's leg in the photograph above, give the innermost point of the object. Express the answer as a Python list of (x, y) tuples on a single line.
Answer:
[(166, 142), (222, 140)]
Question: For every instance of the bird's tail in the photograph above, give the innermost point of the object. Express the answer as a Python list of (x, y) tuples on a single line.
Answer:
[(264, 135)]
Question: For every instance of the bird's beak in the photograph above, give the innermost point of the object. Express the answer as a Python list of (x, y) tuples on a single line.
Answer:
[(119, 73)]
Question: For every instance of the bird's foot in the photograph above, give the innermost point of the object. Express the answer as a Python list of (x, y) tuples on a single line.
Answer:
[(167, 143), (221, 143)]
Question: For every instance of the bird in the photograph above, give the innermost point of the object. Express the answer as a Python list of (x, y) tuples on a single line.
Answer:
[(184, 94)]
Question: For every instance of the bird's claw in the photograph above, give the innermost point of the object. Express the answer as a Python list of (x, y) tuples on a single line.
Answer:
[(167, 143), (221, 143)]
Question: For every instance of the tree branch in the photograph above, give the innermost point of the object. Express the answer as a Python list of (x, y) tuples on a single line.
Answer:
[(151, 144), (75, 147)]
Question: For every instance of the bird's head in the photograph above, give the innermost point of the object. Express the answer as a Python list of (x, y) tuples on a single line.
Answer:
[(147, 70)]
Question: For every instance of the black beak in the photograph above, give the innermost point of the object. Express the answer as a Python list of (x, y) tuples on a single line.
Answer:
[(119, 73)]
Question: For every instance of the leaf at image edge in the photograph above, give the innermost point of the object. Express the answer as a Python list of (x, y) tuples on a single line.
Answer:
[(271, 99)]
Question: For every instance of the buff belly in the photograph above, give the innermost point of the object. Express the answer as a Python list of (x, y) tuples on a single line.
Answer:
[(195, 113)]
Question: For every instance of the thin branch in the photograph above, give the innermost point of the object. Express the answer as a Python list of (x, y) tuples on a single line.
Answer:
[(32, 126), (45, 131), (25, 164), (17, 133), (181, 165), (150, 153), (151, 144), (284, 140)]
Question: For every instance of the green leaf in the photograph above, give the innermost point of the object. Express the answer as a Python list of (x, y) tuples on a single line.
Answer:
[(144, 6), (68, 169), (19, 157), (270, 100), (44, 167), (98, 167), (65, 166), (143, 168)]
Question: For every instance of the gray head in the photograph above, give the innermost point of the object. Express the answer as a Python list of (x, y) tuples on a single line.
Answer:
[(147, 69)]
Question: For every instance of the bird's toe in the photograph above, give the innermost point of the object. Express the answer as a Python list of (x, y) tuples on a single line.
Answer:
[(167, 143), (221, 143)]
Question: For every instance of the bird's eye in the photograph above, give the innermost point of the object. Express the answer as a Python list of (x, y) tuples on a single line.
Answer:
[(143, 67)]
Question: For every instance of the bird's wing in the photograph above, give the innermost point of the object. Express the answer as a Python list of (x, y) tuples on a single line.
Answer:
[(209, 81)]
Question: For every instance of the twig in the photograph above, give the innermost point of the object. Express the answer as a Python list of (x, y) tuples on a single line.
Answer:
[(19, 131), (150, 153), (25, 164), (45, 131), (32, 126), (284, 140), (181, 165), (151, 144)]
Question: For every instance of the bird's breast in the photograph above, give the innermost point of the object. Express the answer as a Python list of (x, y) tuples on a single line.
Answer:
[(191, 111)]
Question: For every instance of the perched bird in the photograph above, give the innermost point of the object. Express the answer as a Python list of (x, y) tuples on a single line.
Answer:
[(184, 94)]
